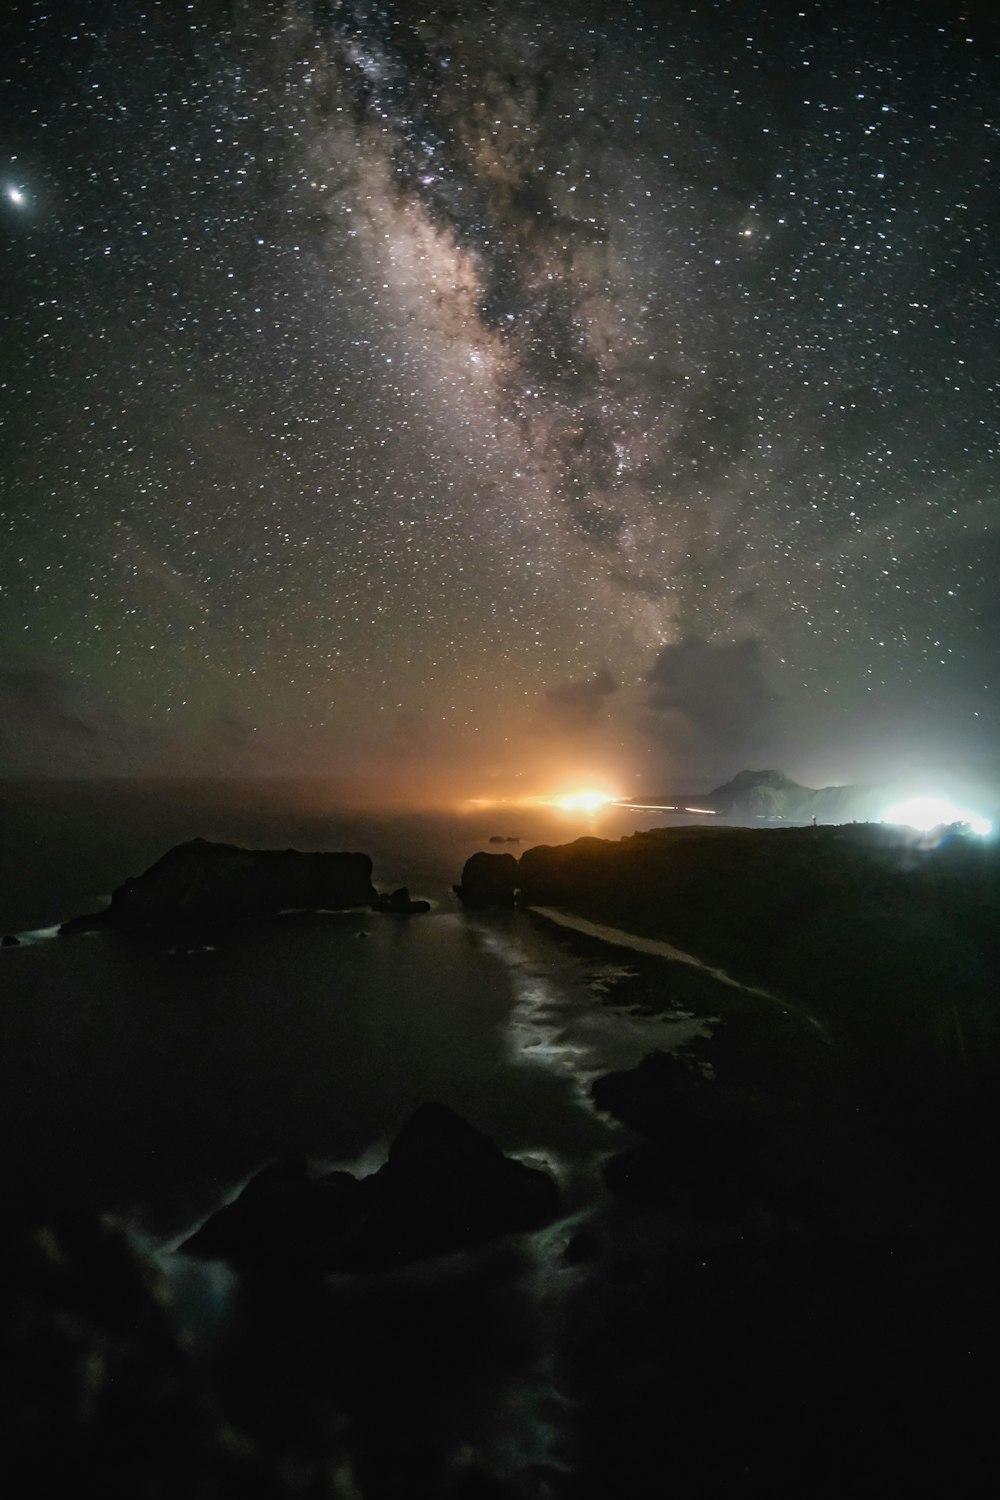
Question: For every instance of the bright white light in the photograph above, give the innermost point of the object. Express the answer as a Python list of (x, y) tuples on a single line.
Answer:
[(926, 813), (16, 197), (584, 801)]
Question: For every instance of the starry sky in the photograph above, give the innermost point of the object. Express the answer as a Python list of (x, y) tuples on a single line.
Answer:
[(471, 396)]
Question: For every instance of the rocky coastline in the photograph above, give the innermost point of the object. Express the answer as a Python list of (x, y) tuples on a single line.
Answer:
[(888, 937), (788, 1239)]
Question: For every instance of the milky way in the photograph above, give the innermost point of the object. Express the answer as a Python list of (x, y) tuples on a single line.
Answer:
[(466, 387)]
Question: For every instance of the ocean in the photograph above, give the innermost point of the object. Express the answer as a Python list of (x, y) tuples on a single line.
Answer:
[(623, 1349), (150, 1079)]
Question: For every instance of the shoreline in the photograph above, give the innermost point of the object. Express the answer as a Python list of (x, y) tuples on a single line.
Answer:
[(618, 937), (730, 1201)]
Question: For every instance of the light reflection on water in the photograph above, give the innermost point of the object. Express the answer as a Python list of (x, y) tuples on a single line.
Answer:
[(555, 1023)]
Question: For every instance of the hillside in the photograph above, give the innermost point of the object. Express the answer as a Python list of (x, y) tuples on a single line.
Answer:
[(893, 942)]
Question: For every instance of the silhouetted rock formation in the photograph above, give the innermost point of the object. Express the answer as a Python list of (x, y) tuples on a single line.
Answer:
[(201, 882), (283, 1217), (10, 940), (704, 1149), (656, 1098), (445, 1186), (399, 902), (566, 874), (488, 880)]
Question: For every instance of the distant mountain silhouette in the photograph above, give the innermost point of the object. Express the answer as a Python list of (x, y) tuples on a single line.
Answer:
[(772, 794)]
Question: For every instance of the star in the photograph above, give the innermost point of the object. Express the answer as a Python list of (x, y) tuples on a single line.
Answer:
[(375, 400)]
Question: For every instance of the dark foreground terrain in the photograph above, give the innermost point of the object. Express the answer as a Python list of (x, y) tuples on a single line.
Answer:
[(782, 1281), (891, 939)]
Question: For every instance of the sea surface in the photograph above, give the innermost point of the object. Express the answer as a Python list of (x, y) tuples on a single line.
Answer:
[(150, 1078)]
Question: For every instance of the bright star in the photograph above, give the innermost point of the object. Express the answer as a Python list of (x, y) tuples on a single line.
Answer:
[(16, 197)]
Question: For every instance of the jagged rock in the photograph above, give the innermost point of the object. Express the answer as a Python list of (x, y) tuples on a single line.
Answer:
[(283, 1217), (583, 1247), (399, 902), (689, 1152), (712, 1147), (445, 1186), (201, 882), (656, 1098), (497, 838), (488, 880)]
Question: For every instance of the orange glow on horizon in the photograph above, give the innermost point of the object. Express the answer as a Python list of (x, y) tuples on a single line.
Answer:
[(588, 800)]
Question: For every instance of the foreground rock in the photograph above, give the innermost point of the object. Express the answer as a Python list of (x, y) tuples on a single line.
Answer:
[(658, 1098), (103, 1398), (705, 1151), (446, 1186), (201, 882), (488, 880), (399, 903)]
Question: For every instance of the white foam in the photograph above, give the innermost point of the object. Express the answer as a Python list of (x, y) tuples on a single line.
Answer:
[(659, 949)]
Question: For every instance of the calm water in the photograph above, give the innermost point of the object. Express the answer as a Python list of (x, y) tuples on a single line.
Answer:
[(152, 1080)]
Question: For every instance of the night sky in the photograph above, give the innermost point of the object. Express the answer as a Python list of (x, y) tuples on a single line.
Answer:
[(476, 395)]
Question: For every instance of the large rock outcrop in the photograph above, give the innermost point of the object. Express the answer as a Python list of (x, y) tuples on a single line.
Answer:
[(201, 882), (703, 1147), (488, 880), (569, 874), (446, 1186)]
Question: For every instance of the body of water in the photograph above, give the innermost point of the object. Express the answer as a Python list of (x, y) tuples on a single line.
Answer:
[(151, 1077), (148, 1077)]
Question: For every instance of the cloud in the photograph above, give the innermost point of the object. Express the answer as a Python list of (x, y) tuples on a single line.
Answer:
[(575, 707), (710, 700)]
